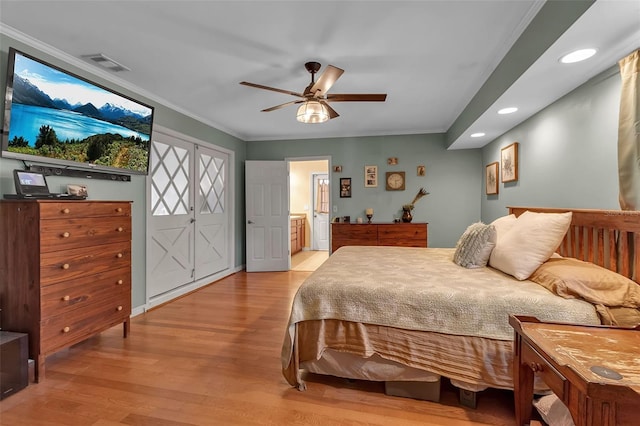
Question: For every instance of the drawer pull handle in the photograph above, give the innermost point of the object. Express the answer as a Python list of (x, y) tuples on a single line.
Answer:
[(119, 255), (119, 308), (120, 229), (119, 209), (66, 235), (535, 367), (66, 330), (119, 282), (65, 266), (65, 298), (65, 211)]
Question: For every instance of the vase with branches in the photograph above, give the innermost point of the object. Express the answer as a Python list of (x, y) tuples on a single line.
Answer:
[(407, 208)]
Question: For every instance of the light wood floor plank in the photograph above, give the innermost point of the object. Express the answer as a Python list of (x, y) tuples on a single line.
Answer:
[(213, 358)]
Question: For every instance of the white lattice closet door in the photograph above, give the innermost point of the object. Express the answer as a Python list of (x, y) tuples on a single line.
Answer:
[(212, 217), (171, 249)]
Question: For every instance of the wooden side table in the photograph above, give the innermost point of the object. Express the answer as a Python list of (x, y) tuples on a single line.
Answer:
[(594, 370)]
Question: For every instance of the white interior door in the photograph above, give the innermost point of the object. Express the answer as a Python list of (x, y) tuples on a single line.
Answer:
[(267, 216), (170, 258), (321, 201), (211, 212)]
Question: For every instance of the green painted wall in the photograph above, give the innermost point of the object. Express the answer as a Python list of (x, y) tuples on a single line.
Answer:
[(136, 189), (453, 178), (567, 152)]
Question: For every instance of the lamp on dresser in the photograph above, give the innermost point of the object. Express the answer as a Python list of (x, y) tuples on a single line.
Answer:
[(369, 213)]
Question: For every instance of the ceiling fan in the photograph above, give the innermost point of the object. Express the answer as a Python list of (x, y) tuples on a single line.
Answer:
[(315, 100)]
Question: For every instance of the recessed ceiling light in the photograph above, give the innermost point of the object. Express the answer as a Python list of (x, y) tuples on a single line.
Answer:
[(509, 110), (477, 135), (577, 56)]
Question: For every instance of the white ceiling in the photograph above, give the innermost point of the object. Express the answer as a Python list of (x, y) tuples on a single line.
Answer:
[(430, 57)]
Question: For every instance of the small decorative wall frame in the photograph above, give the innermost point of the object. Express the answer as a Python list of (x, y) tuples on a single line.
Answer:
[(337, 169), (392, 161), (421, 170), (345, 187), (491, 178), (370, 176), (509, 162)]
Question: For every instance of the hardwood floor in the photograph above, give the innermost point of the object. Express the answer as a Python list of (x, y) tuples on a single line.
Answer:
[(213, 358), (308, 260)]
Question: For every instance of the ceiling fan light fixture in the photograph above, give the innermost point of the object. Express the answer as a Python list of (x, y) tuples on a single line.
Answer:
[(311, 112)]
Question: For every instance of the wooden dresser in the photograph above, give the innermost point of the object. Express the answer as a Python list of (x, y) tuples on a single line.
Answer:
[(65, 271), (378, 234), (297, 233)]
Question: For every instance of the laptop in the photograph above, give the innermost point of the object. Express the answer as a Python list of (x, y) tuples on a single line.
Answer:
[(32, 185)]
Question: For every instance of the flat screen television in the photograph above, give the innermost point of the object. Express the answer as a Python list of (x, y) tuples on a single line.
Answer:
[(54, 117)]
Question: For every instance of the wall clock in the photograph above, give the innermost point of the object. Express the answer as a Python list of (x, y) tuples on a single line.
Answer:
[(395, 181)]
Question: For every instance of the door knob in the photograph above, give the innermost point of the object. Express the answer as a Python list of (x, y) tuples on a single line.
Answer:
[(192, 220), (249, 222)]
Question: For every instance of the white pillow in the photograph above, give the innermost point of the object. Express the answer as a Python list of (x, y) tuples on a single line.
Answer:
[(504, 224), (475, 245), (529, 243)]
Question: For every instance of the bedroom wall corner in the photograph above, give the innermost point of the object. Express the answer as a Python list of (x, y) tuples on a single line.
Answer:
[(567, 152), (136, 189)]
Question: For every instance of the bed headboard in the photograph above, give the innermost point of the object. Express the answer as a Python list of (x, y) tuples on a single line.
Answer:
[(608, 238)]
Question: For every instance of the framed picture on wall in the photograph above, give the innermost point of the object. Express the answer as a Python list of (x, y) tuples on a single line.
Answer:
[(491, 178), (370, 176), (345, 187), (509, 162)]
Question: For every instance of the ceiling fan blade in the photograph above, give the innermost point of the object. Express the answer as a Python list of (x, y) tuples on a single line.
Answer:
[(332, 112), (273, 108), (273, 89), (326, 80), (357, 97)]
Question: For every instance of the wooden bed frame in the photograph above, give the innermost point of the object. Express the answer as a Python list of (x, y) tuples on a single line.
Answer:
[(607, 238)]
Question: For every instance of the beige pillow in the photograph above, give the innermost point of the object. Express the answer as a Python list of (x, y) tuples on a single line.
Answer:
[(575, 279), (475, 245), (529, 243), (504, 224)]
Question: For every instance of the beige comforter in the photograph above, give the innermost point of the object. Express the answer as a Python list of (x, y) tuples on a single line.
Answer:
[(422, 289), (419, 289)]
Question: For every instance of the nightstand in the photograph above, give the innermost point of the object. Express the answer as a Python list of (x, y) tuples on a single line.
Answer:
[(592, 369)]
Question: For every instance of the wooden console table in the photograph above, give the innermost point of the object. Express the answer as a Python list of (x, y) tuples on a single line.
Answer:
[(592, 369)]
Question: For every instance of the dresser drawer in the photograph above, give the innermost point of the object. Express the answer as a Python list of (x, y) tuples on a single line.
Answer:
[(62, 330), (403, 235), (77, 209), (80, 262), (402, 231), (56, 235), (65, 296), (349, 231)]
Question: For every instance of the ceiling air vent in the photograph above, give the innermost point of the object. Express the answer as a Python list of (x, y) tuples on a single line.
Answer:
[(105, 62)]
